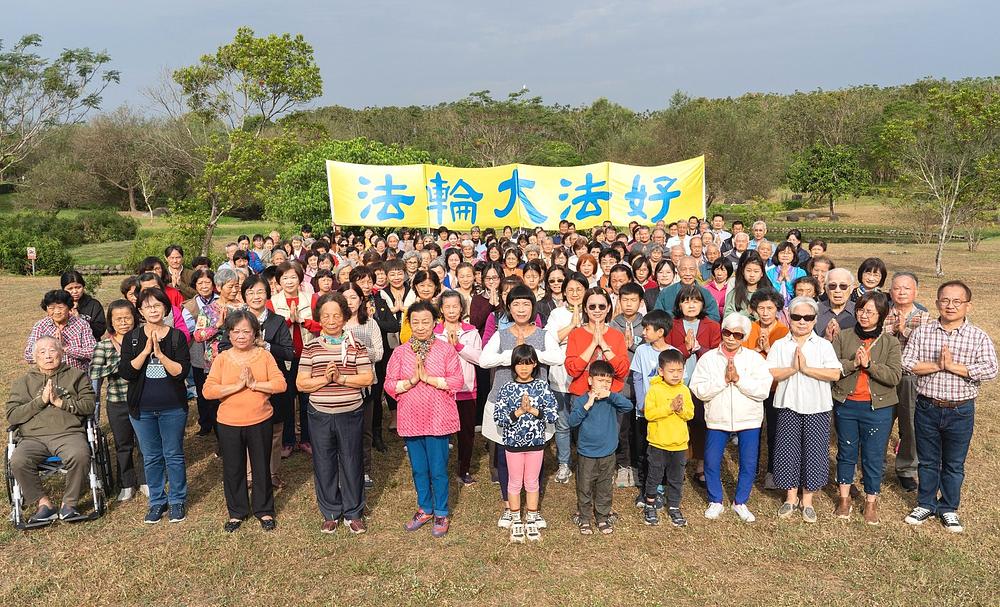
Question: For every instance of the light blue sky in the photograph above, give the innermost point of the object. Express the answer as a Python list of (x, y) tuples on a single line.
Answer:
[(637, 53)]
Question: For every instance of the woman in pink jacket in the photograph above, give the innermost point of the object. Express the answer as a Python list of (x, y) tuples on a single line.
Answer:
[(423, 375), (468, 345)]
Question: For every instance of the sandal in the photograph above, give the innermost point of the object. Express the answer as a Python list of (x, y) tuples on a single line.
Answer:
[(585, 528), (605, 528)]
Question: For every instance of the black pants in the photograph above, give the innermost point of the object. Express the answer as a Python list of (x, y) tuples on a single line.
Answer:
[(667, 465), (207, 409), (378, 392), (770, 427), (366, 438), (484, 383), (639, 449), (466, 434), (623, 457), (338, 463), (236, 442), (130, 476)]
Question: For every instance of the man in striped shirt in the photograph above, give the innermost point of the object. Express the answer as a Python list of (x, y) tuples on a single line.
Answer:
[(950, 357)]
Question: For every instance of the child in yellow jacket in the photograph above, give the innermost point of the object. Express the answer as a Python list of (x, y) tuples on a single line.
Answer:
[(668, 408)]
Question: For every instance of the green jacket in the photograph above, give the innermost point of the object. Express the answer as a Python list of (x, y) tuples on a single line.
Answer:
[(33, 417), (884, 372)]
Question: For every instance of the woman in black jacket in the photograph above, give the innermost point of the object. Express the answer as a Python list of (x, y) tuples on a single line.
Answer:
[(84, 306), (155, 362), (278, 341)]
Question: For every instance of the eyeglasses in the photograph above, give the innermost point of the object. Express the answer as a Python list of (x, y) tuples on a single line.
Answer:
[(556, 281), (951, 303), (837, 286), (805, 317), (597, 306), (734, 334), (151, 306)]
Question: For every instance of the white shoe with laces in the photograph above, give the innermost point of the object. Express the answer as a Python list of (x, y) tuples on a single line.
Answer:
[(536, 518), (714, 511), (563, 473), (951, 522), (505, 519), (744, 513)]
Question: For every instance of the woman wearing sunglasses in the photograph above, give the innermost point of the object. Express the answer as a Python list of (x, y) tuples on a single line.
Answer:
[(803, 364), (733, 381), (596, 340)]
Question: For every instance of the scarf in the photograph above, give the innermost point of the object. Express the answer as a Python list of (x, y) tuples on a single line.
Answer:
[(421, 347), (874, 333)]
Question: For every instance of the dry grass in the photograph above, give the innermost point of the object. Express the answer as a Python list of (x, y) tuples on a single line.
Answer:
[(118, 560)]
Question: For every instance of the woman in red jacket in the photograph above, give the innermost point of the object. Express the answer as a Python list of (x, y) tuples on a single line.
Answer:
[(595, 340), (694, 334)]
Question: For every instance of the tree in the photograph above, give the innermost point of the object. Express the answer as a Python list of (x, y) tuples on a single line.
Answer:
[(252, 80), (59, 182), (112, 148), (828, 171), (38, 93), (940, 148), (244, 87), (300, 193)]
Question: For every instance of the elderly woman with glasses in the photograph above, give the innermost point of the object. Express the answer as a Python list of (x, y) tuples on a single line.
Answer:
[(803, 364)]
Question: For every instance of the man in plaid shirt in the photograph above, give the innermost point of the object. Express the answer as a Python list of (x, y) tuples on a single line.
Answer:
[(950, 357)]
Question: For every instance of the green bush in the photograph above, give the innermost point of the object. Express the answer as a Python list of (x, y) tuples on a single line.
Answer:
[(106, 226), (53, 257), (153, 246), (91, 227)]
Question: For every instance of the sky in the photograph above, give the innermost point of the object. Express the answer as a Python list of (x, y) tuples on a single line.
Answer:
[(636, 53)]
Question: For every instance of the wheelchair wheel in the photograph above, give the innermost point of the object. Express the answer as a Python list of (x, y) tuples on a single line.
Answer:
[(9, 477)]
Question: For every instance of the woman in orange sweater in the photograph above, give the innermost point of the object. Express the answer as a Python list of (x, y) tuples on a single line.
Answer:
[(596, 341), (243, 379)]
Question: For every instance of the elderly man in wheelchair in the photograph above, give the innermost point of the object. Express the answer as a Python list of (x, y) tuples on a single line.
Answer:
[(47, 411)]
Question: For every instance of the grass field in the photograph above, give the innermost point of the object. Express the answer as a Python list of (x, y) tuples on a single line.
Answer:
[(118, 560)]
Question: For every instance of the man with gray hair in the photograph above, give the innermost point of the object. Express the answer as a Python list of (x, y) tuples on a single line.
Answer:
[(741, 242), (837, 312), (759, 230), (47, 408), (905, 316)]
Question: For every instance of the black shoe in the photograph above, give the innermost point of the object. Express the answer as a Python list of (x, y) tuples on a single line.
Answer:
[(204, 431), (649, 515), (177, 513), (44, 514), (908, 484), (231, 526), (676, 518), (155, 514), (379, 444), (70, 514), (268, 524)]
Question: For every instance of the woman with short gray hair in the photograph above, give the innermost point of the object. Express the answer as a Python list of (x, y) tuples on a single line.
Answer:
[(803, 364)]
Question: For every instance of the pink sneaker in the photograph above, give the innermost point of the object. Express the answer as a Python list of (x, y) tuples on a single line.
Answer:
[(440, 528), (419, 519), (306, 448)]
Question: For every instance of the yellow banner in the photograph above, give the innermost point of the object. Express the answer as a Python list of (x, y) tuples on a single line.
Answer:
[(516, 195)]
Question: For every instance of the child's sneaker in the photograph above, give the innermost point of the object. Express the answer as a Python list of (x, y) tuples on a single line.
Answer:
[(676, 518), (649, 515), (441, 525), (517, 532), (531, 531), (505, 519), (744, 513), (563, 473), (535, 517), (640, 500), (714, 511), (419, 519)]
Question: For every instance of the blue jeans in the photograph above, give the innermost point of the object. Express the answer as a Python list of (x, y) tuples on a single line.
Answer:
[(161, 440), (859, 427), (943, 437), (563, 435), (715, 447), (429, 463)]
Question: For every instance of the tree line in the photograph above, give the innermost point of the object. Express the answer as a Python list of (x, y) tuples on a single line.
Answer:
[(233, 135)]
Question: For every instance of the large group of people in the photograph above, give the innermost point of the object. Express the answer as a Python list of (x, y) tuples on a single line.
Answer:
[(645, 353)]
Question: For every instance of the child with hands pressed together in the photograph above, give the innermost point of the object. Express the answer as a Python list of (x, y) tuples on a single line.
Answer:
[(595, 413), (668, 408), (525, 406)]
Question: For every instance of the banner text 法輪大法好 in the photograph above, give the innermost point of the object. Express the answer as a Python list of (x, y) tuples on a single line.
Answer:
[(428, 195)]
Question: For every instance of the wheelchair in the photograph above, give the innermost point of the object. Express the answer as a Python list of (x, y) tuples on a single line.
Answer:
[(99, 476)]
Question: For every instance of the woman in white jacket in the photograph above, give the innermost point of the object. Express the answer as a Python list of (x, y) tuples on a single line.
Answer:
[(468, 345), (733, 382)]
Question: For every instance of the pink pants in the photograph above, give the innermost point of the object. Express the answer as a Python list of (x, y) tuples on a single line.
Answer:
[(523, 468)]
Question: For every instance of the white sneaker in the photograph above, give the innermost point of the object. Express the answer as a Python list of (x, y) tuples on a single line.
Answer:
[(769, 482), (517, 532), (531, 532), (505, 519), (715, 510), (126, 494), (536, 518), (563, 473), (144, 489), (745, 515)]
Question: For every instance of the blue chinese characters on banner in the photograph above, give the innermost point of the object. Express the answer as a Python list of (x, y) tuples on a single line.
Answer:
[(637, 198), (589, 200), (461, 200), (516, 186), (389, 202)]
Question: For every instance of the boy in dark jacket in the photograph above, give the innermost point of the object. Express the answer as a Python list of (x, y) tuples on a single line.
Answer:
[(596, 415)]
